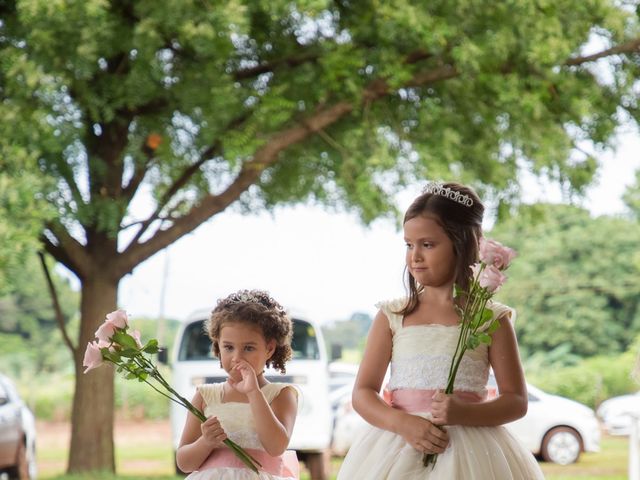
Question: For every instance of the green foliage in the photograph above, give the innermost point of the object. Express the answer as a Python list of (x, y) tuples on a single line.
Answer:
[(631, 198), (27, 319), (92, 80), (350, 334), (51, 394), (574, 281), (592, 380)]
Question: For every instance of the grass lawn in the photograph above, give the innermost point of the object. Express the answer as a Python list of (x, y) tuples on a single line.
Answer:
[(143, 451)]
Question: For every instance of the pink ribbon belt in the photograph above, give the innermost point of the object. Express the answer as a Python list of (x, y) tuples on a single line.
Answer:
[(286, 465), (411, 400)]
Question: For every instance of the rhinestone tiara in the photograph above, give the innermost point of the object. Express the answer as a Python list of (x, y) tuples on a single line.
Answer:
[(438, 189)]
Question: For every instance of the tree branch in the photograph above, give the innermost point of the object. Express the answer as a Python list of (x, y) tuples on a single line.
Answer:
[(56, 306), (68, 251), (627, 47), (182, 180), (264, 157), (268, 154), (271, 66)]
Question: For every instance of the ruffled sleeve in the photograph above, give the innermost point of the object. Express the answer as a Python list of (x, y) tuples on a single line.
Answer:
[(499, 311), (211, 393), (390, 309), (272, 390)]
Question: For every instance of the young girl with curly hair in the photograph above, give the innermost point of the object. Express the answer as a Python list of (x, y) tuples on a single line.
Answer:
[(249, 331)]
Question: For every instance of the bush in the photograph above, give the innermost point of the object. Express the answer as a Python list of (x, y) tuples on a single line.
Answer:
[(591, 381), (51, 398)]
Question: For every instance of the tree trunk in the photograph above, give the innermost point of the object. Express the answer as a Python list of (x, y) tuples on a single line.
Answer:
[(92, 445)]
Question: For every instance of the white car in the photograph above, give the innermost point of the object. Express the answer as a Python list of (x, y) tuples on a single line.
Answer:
[(17, 434), (555, 428), (617, 413)]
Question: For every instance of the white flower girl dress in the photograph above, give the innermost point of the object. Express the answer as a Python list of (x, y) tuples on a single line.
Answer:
[(421, 355)]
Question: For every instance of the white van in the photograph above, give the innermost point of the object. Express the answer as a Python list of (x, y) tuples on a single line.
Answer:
[(194, 364)]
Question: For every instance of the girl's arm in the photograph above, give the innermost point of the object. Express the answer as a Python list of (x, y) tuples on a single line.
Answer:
[(418, 432), (512, 400), (198, 439), (274, 423)]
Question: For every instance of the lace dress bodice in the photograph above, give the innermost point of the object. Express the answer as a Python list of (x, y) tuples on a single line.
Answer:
[(421, 354), (235, 417)]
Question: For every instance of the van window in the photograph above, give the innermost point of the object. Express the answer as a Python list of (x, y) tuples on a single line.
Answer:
[(195, 344)]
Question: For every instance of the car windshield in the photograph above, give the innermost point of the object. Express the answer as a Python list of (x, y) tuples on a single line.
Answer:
[(195, 344)]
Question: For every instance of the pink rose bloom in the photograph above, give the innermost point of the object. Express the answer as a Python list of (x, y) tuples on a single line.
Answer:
[(105, 331), (496, 254), (491, 278), (92, 356), (118, 318)]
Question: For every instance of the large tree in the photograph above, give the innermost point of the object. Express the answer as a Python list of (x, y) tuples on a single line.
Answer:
[(207, 104)]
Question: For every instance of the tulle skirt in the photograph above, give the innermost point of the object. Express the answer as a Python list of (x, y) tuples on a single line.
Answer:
[(474, 453), (231, 473)]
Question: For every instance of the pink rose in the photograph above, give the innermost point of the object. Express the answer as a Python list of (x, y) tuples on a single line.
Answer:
[(491, 278), (118, 318), (496, 254), (92, 356), (105, 331)]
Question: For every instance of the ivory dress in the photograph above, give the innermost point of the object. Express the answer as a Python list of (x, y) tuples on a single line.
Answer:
[(238, 423), (420, 359)]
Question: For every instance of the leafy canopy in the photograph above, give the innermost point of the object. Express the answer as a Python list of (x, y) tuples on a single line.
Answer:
[(277, 102)]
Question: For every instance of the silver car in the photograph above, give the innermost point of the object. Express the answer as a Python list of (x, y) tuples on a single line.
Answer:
[(17, 434)]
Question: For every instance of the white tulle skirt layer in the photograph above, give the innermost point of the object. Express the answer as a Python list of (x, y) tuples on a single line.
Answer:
[(231, 473), (474, 453)]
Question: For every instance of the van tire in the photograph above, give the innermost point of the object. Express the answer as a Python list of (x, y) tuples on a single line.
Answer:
[(318, 464)]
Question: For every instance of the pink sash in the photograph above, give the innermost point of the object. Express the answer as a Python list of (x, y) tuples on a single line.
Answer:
[(413, 400), (286, 465)]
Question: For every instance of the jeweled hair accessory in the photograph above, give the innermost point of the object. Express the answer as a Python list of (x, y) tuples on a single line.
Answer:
[(438, 189), (251, 296)]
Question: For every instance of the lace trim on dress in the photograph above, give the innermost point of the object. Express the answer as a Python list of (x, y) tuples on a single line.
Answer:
[(429, 372)]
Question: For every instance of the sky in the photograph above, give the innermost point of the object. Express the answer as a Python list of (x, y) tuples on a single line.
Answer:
[(323, 265)]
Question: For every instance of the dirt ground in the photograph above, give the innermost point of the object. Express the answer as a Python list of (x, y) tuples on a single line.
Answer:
[(53, 446)]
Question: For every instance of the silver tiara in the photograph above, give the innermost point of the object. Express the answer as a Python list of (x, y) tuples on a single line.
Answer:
[(259, 297), (438, 189), (248, 296)]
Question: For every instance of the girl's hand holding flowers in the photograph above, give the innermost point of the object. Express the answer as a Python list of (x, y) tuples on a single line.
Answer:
[(423, 435), (213, 433), (444, 409)]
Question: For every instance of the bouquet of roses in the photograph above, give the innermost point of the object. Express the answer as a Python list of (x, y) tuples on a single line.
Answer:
[(125, 350), (476, 320)]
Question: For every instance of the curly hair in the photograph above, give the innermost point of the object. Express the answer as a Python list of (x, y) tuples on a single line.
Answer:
[(256, 308)]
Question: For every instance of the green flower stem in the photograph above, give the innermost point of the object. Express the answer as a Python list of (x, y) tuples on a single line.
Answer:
[(470, 322)]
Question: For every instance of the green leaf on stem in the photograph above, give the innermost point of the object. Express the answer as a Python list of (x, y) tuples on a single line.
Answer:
[(493, 327), (472, 342), (124, 339), (128, 353), (151, 346)]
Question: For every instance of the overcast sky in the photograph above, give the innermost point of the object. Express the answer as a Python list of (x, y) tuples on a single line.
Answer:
[(324, 264)]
